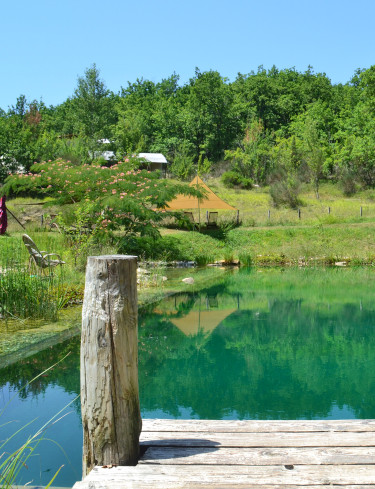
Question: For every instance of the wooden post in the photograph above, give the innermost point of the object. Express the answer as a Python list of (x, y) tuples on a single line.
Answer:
[(238, 217), (329, 210), (361, 212), (269, 214), (109, 363), (299, 213)]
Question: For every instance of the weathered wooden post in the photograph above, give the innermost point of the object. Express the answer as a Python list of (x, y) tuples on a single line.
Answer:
[(361, 212), (109, 363), (238, 217), (269, 214), (329, 210), (299, 213)]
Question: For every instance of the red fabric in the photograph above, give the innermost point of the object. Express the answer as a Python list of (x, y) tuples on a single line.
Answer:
[(3, 216)]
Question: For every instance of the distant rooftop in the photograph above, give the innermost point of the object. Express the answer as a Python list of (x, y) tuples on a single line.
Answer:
[(153, 157)]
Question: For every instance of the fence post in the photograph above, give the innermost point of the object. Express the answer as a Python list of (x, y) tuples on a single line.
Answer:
[(361, 212), (269, 214), (111, 417), (238, 217), (329, 210), (299, 213)]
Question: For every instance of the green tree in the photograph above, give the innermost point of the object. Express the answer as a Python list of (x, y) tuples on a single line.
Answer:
[(123, 197), (93, 106), (252, 158), (314, 154), (209, 121)]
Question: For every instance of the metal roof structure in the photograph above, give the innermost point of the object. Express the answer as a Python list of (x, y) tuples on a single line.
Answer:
[(153, 157)]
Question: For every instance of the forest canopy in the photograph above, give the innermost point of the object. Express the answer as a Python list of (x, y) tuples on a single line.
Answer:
[(263, 125)]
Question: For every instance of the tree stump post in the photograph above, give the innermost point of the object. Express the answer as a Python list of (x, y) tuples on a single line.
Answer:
[(111, 416)]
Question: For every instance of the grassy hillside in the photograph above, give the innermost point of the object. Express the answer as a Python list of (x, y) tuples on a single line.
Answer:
[(281, 238)]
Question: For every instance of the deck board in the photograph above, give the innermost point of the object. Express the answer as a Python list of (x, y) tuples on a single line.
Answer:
[(255, 426), (256, 456), (247, 454), (208, 439)]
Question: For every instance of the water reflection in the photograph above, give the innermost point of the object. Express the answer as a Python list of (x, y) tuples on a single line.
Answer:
[(262, 348)]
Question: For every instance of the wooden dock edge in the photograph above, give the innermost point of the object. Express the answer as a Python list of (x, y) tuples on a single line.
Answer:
[(247, 454)]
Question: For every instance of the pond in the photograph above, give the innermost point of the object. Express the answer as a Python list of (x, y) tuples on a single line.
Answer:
[(256, 344)]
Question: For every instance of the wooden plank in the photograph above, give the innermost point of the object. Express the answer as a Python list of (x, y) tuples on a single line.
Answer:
[(257, 456), (240, 474), (255, 426), (203, 485), (207, 439)]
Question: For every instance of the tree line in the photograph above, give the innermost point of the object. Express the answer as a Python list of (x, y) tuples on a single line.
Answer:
[(278, 127)]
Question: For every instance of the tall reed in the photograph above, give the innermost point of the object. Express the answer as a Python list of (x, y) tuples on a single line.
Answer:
[(25, 293)]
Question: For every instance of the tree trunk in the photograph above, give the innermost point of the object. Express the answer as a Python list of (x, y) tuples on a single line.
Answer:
[(109, 363)]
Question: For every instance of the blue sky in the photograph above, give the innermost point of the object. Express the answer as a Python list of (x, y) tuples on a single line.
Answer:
[(46, 44)]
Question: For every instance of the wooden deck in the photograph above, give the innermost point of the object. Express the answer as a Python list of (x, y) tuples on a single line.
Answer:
[(247, 454)]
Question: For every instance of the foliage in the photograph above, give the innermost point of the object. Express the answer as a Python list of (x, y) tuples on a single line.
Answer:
[(263, 119), (183, 162), (82, 231), (252, 158), (233, 179), (121, 197), (285, 188), (92, 106)]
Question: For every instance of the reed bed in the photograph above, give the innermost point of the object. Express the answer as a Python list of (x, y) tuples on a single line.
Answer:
[(25, 293)]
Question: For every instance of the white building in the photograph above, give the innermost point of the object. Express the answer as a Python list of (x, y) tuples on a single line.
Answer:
[(155, 161)]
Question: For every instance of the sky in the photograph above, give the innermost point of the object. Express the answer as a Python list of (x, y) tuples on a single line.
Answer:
[(45, 45)]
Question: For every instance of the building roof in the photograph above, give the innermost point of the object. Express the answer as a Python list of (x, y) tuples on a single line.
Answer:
[(153, 157)]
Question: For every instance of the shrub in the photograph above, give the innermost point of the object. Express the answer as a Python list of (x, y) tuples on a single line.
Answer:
[(270, 260), (284, 189), (246, 259), (348, 181), (233, 179), (147, 247)]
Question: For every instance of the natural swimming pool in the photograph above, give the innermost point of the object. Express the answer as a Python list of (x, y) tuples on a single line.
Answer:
[(257, 344)]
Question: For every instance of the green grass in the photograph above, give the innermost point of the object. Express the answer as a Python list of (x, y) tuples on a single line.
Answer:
[(255, 204), (283, 238)]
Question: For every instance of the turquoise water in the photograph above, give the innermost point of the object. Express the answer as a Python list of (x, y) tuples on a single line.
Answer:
[(293, 344)]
